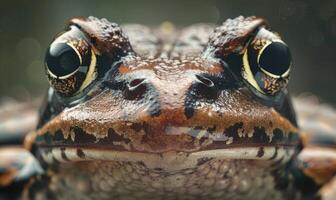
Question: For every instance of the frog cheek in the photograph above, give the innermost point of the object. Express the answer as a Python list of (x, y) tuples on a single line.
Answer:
[(267, 66), (70, 66)]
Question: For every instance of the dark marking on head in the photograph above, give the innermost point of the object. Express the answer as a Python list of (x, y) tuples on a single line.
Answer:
[(232, 131), (137, 126), (152, 99), (63, 154), (260, 152), (155, 109), (141, 163), (80, 153), (188, 111), (112, 136), (211, 129), (275, 154), (278, 135), (56, 137), (81, 136), (259, 135), (201, 161)]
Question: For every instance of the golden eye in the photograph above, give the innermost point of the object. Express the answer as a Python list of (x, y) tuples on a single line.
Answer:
[(70, 63), (267, 64)]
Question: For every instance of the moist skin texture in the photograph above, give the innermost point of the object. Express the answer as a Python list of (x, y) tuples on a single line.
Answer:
[(169, 120)]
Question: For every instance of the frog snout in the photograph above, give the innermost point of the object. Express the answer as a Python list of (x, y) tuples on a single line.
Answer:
[(159, 95)]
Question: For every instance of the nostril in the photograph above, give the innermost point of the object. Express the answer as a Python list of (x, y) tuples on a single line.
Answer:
[(135, 89), (135, 82), (205, 87), (205, 80)]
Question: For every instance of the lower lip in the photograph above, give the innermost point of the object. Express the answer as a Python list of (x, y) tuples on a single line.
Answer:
[(279, 154)]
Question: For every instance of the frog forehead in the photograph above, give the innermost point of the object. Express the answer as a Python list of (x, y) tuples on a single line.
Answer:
[(168, 67)]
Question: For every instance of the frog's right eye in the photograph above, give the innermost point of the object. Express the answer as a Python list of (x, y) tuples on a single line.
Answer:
[(267, 63), (70, 63)]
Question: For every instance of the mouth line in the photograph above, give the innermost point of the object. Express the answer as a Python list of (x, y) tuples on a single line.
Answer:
[(218, 145), (170, 159), (185, 141)]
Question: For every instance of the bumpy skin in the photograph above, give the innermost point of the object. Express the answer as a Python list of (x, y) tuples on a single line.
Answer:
[(169, 106), (169, 117), (154, 102)]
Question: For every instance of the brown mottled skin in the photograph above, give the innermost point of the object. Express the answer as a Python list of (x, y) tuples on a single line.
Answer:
[(170, 117)]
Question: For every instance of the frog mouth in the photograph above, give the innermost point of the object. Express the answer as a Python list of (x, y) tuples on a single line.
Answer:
[(256, 133), (176, 144), (133, 137), (170, 160)]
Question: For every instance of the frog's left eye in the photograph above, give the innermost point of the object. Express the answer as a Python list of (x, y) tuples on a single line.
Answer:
[(267, 64), (70, 63)]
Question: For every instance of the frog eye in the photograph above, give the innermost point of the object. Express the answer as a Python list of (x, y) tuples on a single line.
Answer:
[(62, 60), (267, 64), (70, 63)]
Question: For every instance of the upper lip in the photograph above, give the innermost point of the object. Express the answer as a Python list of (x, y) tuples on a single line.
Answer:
[(143, 138)]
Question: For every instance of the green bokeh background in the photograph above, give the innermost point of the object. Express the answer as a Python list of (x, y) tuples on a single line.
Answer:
[(27, 27)]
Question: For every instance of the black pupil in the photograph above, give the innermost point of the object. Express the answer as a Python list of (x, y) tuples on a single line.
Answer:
[(62, 59), (275, 58)]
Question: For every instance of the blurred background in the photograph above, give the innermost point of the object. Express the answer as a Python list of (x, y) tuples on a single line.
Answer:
[(27, 27)]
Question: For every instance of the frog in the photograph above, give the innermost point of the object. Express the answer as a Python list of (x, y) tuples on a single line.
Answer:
[(200, 112)]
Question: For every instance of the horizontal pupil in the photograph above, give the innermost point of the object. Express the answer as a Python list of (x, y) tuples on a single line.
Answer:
[(62, 59), (275, 58)]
